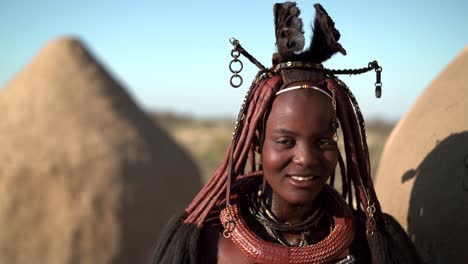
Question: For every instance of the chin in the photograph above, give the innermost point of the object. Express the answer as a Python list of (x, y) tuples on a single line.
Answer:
[(302, 199)]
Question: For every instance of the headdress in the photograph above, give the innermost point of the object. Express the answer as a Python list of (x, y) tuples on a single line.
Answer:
[(303, 69), (292, 69)]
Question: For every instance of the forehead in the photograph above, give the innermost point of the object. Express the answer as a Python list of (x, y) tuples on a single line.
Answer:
[(301, 109)]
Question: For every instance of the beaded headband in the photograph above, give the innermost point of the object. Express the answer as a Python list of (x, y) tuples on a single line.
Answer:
[(307, 86), (303, 86)]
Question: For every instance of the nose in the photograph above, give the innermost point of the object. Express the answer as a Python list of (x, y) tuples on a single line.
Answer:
[(307, 156)]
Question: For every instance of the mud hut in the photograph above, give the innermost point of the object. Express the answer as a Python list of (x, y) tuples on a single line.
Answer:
[(423, 174), (85, 175)]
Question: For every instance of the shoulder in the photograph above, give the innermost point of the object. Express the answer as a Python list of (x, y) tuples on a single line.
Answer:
[(215, 248)]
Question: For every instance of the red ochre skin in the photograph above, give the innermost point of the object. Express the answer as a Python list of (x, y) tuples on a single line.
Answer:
[(298, 142)]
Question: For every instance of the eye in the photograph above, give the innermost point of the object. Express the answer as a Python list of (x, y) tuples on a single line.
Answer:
[(286, 142), (326, 143)]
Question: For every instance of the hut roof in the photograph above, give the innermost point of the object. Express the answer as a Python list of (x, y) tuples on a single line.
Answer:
[(422, 178), (85, 175)]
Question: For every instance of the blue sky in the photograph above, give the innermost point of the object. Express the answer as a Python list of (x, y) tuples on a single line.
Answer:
[(174, 55)]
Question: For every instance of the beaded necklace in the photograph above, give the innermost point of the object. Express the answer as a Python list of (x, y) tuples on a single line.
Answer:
[(260, 209)]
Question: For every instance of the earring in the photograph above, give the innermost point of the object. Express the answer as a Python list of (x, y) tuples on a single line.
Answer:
[(261, 190)]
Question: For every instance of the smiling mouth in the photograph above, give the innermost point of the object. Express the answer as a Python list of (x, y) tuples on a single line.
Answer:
[(303, 178)]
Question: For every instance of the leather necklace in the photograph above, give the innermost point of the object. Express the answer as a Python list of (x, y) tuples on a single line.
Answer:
[(333, 247), (259, 208)]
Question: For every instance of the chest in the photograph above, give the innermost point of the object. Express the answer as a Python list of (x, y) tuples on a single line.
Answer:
[(229, 253)]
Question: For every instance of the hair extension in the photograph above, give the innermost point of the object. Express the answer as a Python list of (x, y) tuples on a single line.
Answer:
[(344, 179), (259, 97), (366, 149)]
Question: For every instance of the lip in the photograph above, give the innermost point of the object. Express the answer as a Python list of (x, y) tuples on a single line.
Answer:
[(302, 181)]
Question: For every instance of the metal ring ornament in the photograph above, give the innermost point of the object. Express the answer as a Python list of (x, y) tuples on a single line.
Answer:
[(371, 223), (229, 226), (232, 80), (235, 53), (236, 61), (371, 226), (233, 41), (371, 209)]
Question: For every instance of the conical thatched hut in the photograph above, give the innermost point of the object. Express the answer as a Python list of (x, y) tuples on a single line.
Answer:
[(423, 174), (85, 175)]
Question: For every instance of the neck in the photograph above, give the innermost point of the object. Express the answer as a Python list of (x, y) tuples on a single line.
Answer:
[(292, 213)]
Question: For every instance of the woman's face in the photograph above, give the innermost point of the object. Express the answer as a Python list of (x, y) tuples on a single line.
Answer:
[(299, 154)]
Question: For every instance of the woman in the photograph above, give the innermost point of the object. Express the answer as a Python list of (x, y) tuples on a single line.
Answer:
[(285, 209)]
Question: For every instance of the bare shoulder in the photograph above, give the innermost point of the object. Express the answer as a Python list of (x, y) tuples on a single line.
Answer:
[(215, 248)]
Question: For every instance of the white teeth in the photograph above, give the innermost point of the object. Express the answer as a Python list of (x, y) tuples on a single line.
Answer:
[(302, 178)]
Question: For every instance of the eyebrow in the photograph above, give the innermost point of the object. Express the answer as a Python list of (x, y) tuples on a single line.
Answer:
[(284, 131), (289, 132)]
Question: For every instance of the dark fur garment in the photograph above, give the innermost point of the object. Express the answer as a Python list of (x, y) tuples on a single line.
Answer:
[(290, 35), (178, 243), (391, 245)]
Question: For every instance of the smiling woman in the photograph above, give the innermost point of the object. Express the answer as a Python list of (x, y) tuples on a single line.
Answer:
[(272, 200), (299, 154)]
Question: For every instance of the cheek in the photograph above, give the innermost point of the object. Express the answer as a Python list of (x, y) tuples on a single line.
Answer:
[(331, 159), (273, 160)]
